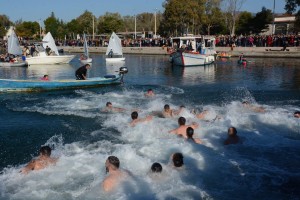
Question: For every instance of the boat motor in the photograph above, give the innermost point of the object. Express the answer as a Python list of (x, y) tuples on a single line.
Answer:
[(123, 70)]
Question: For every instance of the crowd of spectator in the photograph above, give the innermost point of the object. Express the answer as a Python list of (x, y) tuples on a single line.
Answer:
[(221, 41)]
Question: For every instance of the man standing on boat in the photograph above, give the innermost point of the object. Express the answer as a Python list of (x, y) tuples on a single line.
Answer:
[(81, 72)]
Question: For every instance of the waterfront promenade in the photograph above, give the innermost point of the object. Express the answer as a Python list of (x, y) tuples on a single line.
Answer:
[(273, 52)]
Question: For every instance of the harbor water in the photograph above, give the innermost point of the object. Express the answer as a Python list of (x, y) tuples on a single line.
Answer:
[(265, 165)]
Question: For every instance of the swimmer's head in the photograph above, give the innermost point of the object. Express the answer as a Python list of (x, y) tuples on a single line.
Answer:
[(232, 132), (156, 168), (297, 114), (113, 162), (45, 151), (181, 121), (108, 104), (189, 132), (245, 103), (177, 159), (167, 107), (134, 115)]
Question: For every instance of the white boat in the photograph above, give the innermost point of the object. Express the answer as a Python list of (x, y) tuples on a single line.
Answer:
[(193, 51), (41, 56), (114, 52), (13, 48), (86, 59)]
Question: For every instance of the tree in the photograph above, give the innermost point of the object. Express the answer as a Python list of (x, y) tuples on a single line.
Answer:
[(85, 21), (291, 7), (232, 8), (4, 25), (261, 20), (27, 29), (244, 23), (180, 17), (52, 24), (110, 22), (213, 18)]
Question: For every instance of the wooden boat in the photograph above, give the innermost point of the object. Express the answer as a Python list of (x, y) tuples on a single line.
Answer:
[(193, 51), (13, 85)]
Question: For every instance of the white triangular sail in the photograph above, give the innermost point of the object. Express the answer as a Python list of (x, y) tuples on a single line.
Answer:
[(85, 45), (114, 45), (49, 41), (13, 44)]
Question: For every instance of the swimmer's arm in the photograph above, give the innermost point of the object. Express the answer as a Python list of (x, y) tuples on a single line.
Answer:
[(194, 125), (174, 131), (106, 185), (198, 141)]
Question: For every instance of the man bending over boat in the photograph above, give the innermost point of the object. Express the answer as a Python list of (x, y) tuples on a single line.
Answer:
[(41, 162), (81, 72)]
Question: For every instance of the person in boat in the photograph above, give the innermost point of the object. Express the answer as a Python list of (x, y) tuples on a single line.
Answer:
[(247, 105), (297, 114), (45, 78), (44, 160), (232, 138), (135, 120), (181, 130), (109, 107), (177, 160), (82, 71), (26, 51), (189, 134), (115, 175), (32, 50), (150, 93), (111, 53), (48, 50), (83, 57)]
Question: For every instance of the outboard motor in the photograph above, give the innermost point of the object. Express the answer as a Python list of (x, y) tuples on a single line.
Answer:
[(123, 70)]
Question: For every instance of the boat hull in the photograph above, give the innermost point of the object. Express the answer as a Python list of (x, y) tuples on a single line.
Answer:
[(49, 60), (13, 64), (191, 59), (86, 61), (115, 59), (9, 85)]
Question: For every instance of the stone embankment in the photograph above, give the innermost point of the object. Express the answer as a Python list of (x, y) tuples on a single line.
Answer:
[(267, 52)]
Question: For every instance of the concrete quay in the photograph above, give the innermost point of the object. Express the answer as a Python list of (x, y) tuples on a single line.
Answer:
[(263, 52)]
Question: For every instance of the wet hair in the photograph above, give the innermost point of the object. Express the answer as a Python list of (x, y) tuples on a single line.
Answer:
[(166, 107), (45, 151), (232, 130), (87, 65), (245, 102), (182, 106), (177, 159), (134, 115), (45, 75), (114, 161), (108, 103), (150, 90), (156, 168), (297, 112), (181, 121), (189, 132)]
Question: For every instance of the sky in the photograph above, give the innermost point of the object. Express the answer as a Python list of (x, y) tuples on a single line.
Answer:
[(66, 10)]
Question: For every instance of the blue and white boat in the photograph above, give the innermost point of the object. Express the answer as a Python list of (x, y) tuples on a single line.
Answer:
[(13, 85)]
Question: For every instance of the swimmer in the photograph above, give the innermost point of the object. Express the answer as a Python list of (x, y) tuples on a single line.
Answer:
[(177, 160), (297, 114), (150, 93), (156, 168), (190, 133), (181, 130), (179, 111), (135, 120), (232, 138), (116, 175), (202, 115), (167, 112), (41, 162), (109, 107), (45, 78), (247, 105)]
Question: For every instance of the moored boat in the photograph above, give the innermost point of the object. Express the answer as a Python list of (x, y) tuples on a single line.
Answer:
[(86, 57), (114, 51), (193, 51), (13, 85)]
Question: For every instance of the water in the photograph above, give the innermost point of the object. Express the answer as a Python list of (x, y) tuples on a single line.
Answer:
[(265, 166)]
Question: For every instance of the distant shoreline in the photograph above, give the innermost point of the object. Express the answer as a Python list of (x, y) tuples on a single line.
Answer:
[(273, 52)]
